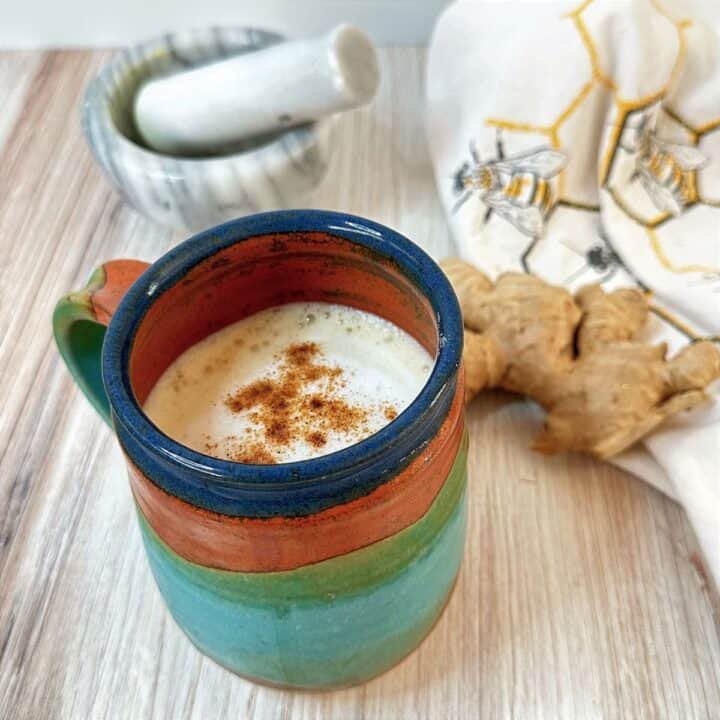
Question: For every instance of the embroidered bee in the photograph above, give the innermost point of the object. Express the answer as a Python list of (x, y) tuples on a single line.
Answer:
[(516, 187), (666, 170), (599, 258)]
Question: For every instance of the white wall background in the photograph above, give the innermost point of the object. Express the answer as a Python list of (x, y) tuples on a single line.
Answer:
[(53, 23), (40, 23)]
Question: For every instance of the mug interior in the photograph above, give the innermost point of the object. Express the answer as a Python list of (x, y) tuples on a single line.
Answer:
[(269, 270)]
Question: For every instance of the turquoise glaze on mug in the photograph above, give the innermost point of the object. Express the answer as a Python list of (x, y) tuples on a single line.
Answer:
[(337, 622), (313, 574)]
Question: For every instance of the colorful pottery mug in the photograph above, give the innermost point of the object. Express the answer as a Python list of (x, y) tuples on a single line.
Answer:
[(314, 574)]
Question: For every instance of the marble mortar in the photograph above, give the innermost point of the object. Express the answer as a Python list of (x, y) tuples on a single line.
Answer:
[(277, 170)]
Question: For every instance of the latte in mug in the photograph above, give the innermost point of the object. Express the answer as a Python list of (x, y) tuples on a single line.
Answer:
[(289, 383)]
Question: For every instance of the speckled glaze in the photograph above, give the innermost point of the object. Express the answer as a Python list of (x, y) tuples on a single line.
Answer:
[(193, 193), (314, 574)]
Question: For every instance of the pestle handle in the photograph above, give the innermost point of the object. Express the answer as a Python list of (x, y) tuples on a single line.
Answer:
[(204, 110)]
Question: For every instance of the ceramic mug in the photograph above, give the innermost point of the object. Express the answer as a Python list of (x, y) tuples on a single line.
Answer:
[(315, 574)]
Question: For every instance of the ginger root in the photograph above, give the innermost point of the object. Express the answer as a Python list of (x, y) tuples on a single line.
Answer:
[(577, 357)]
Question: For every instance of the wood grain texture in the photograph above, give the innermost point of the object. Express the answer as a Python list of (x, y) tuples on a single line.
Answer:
[(583, 594), (16, 70)]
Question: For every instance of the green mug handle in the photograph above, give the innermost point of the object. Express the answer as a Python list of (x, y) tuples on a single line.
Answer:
[(79, 323)]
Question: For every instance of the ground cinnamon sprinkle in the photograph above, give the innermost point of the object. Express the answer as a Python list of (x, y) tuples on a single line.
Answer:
[(232, 448), (390, 412), (254, 453), (288, 410), (316, 439)]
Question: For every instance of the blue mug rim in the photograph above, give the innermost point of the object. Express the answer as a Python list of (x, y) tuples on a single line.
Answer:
[(135, 428)]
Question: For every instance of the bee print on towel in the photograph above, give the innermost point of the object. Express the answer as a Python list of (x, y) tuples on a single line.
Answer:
[(666, 170), (600, 261), (517, 187)]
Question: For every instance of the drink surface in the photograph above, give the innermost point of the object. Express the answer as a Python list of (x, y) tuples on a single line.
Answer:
[(289, 383)]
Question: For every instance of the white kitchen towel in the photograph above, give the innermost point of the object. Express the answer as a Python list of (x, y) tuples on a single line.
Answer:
[(591, 131)]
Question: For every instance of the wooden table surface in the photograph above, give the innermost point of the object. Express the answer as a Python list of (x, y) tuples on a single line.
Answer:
[(582, 594)]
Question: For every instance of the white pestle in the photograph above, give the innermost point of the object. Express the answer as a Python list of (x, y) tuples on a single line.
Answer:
[(208, 109)]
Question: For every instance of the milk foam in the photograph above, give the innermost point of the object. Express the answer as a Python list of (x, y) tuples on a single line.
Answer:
[(382, 369)]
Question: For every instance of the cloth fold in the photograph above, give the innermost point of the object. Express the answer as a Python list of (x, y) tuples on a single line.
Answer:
[(593, 129)]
